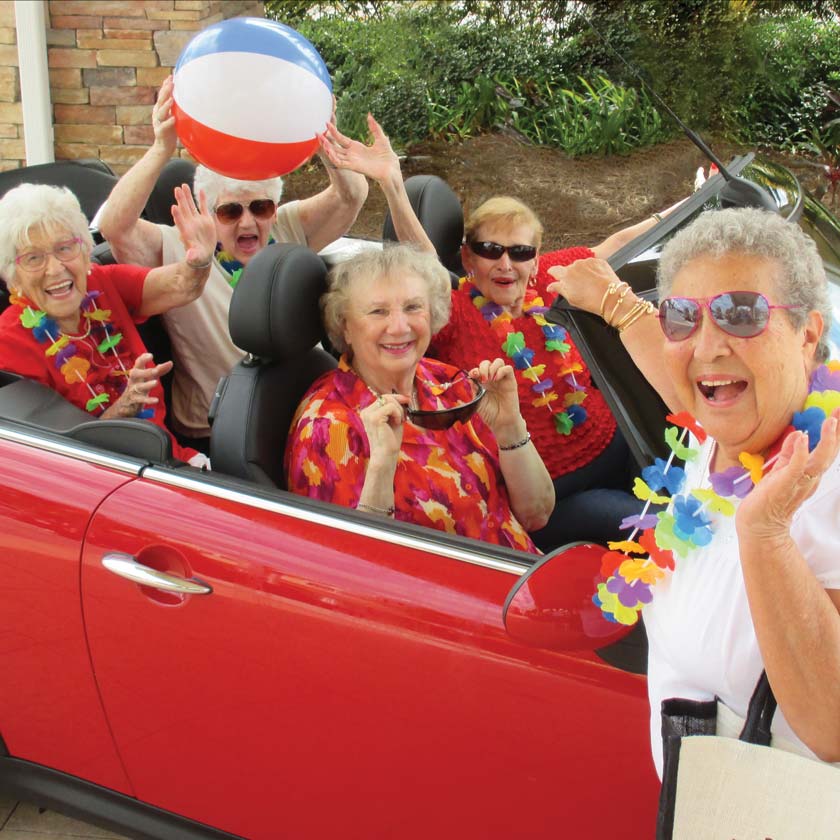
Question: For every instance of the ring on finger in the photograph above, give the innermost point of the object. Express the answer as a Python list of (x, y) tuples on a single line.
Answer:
[(809, 477), (381, 400)]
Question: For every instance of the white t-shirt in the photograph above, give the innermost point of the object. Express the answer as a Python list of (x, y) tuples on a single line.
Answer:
[(202, 348), (702, 641)]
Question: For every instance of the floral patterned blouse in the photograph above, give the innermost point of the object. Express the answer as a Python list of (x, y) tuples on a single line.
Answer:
[(449, 479)]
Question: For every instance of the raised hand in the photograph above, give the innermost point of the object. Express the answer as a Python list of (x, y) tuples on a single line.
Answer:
[(383, 420), (767, 512), (376, 161), (196, 227), (500, 406), (163, 121), (139, 384)]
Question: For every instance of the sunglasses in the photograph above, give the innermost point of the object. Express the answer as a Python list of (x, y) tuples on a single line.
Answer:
[(445, 418), (739, 314), (494, 251), (261, 208)]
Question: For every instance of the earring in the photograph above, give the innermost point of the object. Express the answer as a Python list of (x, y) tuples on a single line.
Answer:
[(532, 280)]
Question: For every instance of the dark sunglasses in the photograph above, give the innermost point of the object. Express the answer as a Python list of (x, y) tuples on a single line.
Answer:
[(261, 208), (445, 418), (494, 251), (740, 314)]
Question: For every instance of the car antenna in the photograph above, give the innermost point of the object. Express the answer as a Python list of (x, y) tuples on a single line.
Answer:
[(736, 192)]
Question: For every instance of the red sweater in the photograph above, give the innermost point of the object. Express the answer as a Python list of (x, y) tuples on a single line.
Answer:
[(468, 338)]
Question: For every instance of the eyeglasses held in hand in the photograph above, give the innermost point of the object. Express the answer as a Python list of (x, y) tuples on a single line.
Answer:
[(739, 314), (261, 208), (63, 251), (445, 418), (494, 251)]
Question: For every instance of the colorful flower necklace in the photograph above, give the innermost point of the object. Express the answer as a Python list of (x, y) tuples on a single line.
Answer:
[(63, 351), (573, 414), (633, 566), (232, 267)]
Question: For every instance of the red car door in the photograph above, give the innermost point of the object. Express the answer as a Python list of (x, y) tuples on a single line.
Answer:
[(342, 676), (50, 711)]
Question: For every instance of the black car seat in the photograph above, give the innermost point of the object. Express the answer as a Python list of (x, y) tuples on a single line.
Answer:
[(275, 317), (91, 181), (159, 206), (441, 216)]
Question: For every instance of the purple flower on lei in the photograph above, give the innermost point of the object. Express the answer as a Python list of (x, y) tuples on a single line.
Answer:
[(825, 379), (630, 594), (731, 482)]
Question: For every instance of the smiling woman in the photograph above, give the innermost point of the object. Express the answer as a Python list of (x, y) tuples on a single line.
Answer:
[(71, 325), (394, 433)]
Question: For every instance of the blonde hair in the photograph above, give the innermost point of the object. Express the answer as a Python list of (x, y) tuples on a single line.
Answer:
[(502, 209), (391, 261)]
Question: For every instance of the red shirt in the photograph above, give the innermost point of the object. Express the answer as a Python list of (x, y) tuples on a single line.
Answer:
[(468, 338), (121, 292)]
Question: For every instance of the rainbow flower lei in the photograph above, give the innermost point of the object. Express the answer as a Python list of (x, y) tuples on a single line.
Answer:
[(573, 413), (62, 348), (632, 567)]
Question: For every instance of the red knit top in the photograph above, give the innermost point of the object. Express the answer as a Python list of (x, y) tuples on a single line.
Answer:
[(468, 338)]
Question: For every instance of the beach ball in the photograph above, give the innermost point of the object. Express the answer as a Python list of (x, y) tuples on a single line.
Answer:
[(250, 96)]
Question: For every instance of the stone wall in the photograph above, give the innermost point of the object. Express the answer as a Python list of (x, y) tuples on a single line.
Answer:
[(107, 59)]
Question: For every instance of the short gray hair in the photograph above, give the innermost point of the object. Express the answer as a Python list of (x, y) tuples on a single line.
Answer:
[(37, 206), (391, 261), (215, 184), (763, 234)]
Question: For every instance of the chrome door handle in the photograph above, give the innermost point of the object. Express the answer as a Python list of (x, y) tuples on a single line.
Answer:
[(127, 567)]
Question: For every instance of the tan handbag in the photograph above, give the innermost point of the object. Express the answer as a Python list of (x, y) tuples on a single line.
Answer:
[(724, 788)]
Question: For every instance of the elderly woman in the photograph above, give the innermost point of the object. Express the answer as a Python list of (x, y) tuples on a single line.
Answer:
[(248, 216), (71, 324), (745, 312), (499, 307), (391, 432)]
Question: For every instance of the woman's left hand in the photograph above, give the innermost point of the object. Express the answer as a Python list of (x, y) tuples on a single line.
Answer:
[(768, 510), (500, 406), (377, 160), (195, 226)]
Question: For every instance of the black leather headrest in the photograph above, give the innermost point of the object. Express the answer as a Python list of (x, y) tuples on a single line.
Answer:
[(91, 181), (158, 208), (274, 313), (440, 214)]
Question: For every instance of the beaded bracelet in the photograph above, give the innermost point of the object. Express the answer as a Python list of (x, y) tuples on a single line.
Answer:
[(389, 511), (518, 445)]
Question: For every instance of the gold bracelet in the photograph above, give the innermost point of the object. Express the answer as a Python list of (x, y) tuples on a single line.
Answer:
[(617, 304), (612, 288), (639, 310), (389, 511), (518, 445)]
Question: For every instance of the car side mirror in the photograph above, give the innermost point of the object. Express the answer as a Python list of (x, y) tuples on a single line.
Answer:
[(551, 605)]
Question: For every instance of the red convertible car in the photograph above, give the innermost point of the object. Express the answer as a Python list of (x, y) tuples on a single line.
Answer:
[(191, 654)]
